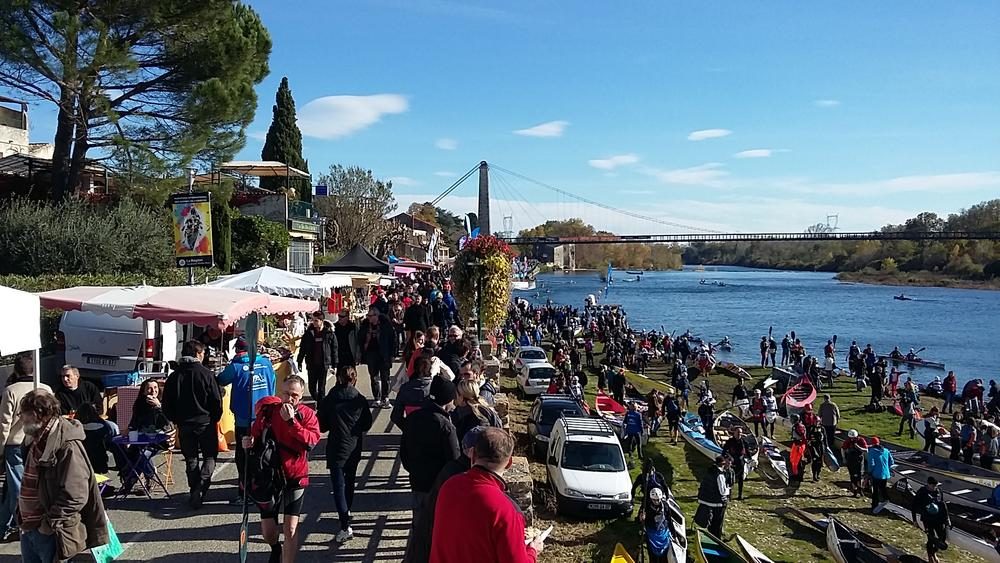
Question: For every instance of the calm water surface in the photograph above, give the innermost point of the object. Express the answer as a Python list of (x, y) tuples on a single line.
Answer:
[(959, 327)]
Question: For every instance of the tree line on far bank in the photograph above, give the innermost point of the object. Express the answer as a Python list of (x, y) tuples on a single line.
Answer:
[(956, 259), (597, 256)]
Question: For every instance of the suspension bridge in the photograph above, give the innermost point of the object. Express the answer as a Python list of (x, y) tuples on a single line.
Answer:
[(502, 182)]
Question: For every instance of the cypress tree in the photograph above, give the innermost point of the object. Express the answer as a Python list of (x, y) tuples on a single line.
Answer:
[(284, 143)]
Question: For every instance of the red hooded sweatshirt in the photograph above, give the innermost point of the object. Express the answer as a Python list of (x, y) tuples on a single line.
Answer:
[(296, 436), (475, 520)]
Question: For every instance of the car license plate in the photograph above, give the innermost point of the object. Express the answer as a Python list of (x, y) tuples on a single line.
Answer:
[(102, 360), (599, 506)]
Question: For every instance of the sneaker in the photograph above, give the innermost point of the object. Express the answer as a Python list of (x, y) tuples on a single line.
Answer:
[(344, 535), (238, 501), (11, 535), (385, 403)]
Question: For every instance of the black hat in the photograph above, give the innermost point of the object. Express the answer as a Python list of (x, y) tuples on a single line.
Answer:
[(442, 391), (932, 481)]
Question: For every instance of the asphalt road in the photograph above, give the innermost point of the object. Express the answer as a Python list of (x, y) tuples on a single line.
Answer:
[(166, 530)]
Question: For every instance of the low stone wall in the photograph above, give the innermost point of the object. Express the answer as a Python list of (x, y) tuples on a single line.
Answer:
[(501, 404), (519, 487)]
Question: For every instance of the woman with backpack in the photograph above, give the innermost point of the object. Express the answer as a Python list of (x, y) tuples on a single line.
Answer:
[(345, 414)]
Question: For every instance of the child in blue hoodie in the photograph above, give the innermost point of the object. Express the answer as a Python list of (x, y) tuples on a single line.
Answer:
[(243, 397)]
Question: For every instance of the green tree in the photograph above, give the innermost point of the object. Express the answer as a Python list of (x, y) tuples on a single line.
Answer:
[(284, 143), (222, 234), (170, 80), (257, 242), (357, 208)]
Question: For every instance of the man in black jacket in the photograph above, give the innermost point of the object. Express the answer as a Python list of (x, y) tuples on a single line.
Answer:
[(416, 317), (319, 350), (348, 353), (75, 392), (418, 547), (429, 441), (929, 503), (713, 496), (377, 343), (193, 401), (346, 415), (454, 351)]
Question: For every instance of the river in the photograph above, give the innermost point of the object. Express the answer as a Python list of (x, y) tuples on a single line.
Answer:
[(956, 326)]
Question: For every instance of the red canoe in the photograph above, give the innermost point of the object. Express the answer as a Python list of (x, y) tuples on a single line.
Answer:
[(605, 403), (800, 394)]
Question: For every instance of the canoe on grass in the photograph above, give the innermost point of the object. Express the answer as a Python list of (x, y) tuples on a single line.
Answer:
[(956, 535), (966, 514), (621, 556), (774, 457), (694, 433), (710, 549), (846, 548), (879, 550), (732, 370), (751, 553), (800, 394), (941, 465)]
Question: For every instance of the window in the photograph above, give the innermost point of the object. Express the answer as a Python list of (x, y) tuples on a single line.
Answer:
[(590, 456), (532, 355), (300, 256), (541, 373), (551, 414)]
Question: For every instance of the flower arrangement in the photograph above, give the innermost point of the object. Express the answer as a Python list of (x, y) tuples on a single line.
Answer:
[(486, 260)]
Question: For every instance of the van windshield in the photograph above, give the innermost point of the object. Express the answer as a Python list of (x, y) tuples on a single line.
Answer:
[(590, 456)]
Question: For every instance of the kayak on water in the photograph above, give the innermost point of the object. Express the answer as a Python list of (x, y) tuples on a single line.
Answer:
[(914, 362)]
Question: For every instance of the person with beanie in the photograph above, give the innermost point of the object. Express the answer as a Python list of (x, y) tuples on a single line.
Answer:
[(245, 394), (429, 441)]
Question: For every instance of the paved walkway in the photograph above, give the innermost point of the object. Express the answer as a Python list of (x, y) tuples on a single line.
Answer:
[(165, 530)]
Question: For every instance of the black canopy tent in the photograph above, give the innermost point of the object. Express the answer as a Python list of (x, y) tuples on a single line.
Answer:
[(358, 259)]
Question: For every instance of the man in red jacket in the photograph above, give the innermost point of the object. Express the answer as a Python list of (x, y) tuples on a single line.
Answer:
[(474, 519), (296, 431)]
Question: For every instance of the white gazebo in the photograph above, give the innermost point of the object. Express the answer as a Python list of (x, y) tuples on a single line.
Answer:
[(274, 281), (21, 329)]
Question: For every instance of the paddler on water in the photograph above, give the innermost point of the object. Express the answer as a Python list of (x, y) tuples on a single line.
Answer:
[(896, 354)]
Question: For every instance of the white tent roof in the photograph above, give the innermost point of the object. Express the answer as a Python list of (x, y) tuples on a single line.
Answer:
[(329, 279), (21, 329), (275, 282)]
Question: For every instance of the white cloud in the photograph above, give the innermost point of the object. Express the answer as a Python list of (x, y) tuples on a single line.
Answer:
[(403, 181), (613, 162), (709, 174), (755, 153), (445, 174), (941, 183), (547, 129), (333, 117), (703, 134), (258, 135), (446, 144), (826, 103)]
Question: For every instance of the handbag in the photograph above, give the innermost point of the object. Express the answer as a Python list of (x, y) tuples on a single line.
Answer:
[(109, 551)]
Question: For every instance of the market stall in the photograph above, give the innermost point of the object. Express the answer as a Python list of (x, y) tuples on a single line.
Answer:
[(274, 281), (201, 305), (22, 329)]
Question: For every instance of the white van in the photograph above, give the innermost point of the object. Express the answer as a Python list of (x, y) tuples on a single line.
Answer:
[(98, 344), (586, 469)]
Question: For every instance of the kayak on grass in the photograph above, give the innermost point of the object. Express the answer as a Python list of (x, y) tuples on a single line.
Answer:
[(751, 553), (693, 432), (775, 458), (710, 549)]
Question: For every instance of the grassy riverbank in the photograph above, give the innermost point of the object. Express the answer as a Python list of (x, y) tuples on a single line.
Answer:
[(918, 279), (761, 518)]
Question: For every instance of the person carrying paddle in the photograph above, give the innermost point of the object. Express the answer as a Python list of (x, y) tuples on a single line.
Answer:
[(736, 449)]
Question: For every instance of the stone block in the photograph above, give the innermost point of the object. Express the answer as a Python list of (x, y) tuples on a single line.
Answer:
[(501, 404), (519, 482)]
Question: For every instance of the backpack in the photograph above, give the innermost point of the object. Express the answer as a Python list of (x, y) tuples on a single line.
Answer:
[(265, 478)]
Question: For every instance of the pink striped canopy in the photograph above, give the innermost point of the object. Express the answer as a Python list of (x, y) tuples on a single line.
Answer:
[(200, 305)]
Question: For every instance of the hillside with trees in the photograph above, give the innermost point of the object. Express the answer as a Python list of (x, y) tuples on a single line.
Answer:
[(945, 262), (597, 256)]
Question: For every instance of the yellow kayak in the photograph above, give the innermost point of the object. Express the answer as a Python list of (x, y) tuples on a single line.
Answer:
[(621, 556)]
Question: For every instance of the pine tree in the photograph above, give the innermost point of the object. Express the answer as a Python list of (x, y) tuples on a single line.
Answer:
[(284, 143)]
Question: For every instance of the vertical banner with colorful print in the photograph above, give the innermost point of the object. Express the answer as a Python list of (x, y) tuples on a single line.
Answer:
[(192, 220)]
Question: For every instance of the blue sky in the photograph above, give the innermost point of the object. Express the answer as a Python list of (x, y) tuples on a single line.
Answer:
[(872, 110)]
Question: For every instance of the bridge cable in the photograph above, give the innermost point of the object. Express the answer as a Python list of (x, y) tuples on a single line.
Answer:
[(455, 185), (529, 212), (603, 205)]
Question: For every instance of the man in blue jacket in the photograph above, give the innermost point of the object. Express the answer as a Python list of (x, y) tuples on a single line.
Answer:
[(880, 462), (244, 395)]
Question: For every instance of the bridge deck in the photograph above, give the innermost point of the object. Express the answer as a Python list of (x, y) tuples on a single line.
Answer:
[(759, 237)]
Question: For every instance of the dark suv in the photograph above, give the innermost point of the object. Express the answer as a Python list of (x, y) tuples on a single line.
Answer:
[(544, 413)]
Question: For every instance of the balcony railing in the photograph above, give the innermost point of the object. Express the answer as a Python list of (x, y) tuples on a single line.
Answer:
[(301, 210)]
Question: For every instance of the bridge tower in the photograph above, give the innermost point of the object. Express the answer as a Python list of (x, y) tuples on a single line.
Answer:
[(484, 198)]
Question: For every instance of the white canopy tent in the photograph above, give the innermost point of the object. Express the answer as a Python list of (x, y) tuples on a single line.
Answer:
[(22, 330), (330, 279), (276, 282)]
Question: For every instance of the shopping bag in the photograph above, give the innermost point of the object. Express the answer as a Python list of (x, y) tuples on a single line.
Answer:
[(110, 551), (223, 443)]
